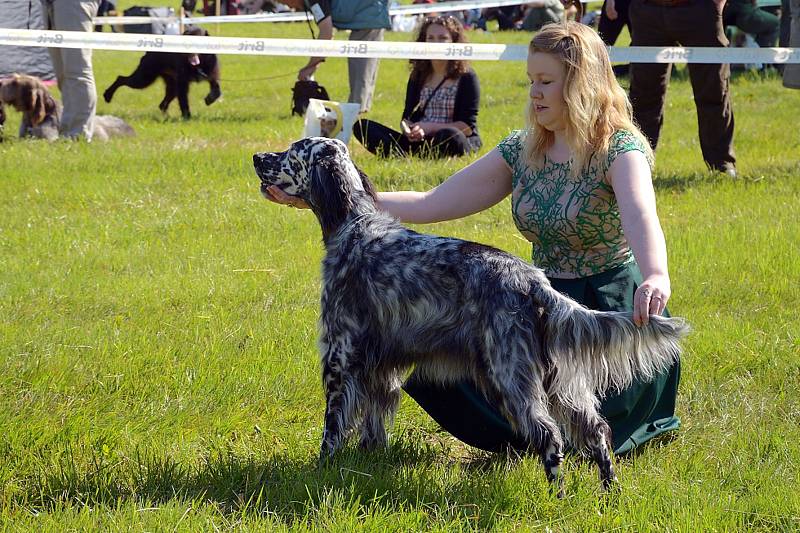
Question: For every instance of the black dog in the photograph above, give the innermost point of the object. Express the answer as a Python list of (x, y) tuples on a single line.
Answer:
[(177, 70)]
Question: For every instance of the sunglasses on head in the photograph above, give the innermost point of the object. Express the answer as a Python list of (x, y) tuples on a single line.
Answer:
[(441, 19)]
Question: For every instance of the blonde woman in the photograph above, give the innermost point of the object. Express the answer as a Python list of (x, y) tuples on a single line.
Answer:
[(581, 192)]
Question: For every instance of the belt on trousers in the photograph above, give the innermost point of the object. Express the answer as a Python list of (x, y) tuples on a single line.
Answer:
[(668, 3)]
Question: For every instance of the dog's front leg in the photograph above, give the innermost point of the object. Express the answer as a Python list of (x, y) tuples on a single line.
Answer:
[(342, 396), (214, 93), (183, 97), (383, 397)]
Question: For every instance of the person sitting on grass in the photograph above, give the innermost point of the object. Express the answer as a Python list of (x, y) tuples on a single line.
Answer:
[(581, 191), (441, 108)]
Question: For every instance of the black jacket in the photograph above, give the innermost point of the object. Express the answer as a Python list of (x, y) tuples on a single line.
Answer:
[(466, 106)]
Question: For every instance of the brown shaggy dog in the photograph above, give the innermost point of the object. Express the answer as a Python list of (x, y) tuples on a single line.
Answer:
[(41, 113)]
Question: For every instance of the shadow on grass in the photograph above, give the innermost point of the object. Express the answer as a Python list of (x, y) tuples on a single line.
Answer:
[(291, 489), (682, 182)]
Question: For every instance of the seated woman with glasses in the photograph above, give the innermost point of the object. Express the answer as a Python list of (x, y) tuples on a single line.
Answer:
[(441, 108)]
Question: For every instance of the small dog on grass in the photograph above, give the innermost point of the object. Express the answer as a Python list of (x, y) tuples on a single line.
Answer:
[(393, 298), (41, 113), (177, 70)]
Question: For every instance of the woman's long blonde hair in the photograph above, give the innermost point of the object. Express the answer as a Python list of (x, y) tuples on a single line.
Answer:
[(595, 104)]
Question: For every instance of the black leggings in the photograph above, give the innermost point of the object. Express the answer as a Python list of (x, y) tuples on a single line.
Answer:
[(386, 142)]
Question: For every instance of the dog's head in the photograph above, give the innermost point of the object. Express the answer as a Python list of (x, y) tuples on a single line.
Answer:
[(196, 31), (28, 95), (319, 171)]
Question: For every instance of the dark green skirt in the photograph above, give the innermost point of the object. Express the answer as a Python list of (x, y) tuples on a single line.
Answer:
[(636, 415)]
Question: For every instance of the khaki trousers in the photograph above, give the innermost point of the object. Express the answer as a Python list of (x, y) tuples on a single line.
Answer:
[(73, 66), (363, 73)]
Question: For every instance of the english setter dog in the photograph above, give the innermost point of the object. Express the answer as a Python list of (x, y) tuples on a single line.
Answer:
[(393, 298)]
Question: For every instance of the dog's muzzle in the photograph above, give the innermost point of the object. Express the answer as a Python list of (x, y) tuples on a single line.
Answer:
[(267, 166)]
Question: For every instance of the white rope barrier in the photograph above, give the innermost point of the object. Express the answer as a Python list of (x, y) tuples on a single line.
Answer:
[(379, 49), (416, 9)]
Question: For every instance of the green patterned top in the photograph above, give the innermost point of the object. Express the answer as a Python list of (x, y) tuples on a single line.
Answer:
[(574, 224)]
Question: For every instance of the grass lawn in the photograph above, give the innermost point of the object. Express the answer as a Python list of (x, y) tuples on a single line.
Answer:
[(158, 364)]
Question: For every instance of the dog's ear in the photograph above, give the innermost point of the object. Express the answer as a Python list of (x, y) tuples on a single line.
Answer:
[(327, 195), (34, 101), (369, 188)]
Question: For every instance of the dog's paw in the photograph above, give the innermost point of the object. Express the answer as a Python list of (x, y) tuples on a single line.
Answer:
[(108, 95), (212, 97)]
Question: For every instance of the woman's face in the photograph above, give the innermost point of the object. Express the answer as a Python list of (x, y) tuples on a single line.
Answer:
[(547, 74), (436, 33)]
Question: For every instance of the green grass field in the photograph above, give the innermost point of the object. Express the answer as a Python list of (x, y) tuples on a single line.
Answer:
[(158, 365)]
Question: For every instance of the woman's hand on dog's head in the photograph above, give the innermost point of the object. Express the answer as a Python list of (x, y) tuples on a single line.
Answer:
[(274, 194)]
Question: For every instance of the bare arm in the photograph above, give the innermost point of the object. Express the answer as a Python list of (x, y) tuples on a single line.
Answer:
[(431, 128), (325, 32), (475, 188), (633, 186), (611, 10), (470, 190)]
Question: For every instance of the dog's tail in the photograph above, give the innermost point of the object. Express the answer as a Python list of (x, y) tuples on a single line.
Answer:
[(604, 350)]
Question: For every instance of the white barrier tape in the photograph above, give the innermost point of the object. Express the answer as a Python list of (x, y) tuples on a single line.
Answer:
[(414, 9), (379, 49)]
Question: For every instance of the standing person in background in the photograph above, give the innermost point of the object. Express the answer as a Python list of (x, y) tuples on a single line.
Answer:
[(541, 12), (686, 23), (581, 191), (791, 73), (73, 66), (366, 20), (614, 17), (441, 109)]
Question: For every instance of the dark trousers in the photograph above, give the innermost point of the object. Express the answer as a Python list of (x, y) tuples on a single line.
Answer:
[(608, 29), (386, 142), (694, 24)]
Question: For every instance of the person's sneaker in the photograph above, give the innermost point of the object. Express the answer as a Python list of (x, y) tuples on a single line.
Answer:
[(725, 168)]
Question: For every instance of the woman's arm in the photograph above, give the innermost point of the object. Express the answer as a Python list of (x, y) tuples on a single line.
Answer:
[(325, 27), (470, 190), (475, 188), (431, 128), (632, 182), (611, 9)]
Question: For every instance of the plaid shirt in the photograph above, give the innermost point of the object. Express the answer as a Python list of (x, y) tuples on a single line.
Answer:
[(440, 108)]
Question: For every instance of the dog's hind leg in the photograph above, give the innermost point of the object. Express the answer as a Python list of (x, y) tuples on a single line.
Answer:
[(524, 403), (590, 434), (382, 399), (169, 95), (509, 355), (182, 87)]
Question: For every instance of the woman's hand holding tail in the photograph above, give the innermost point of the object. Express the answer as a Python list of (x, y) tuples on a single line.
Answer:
[(650, 299)]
